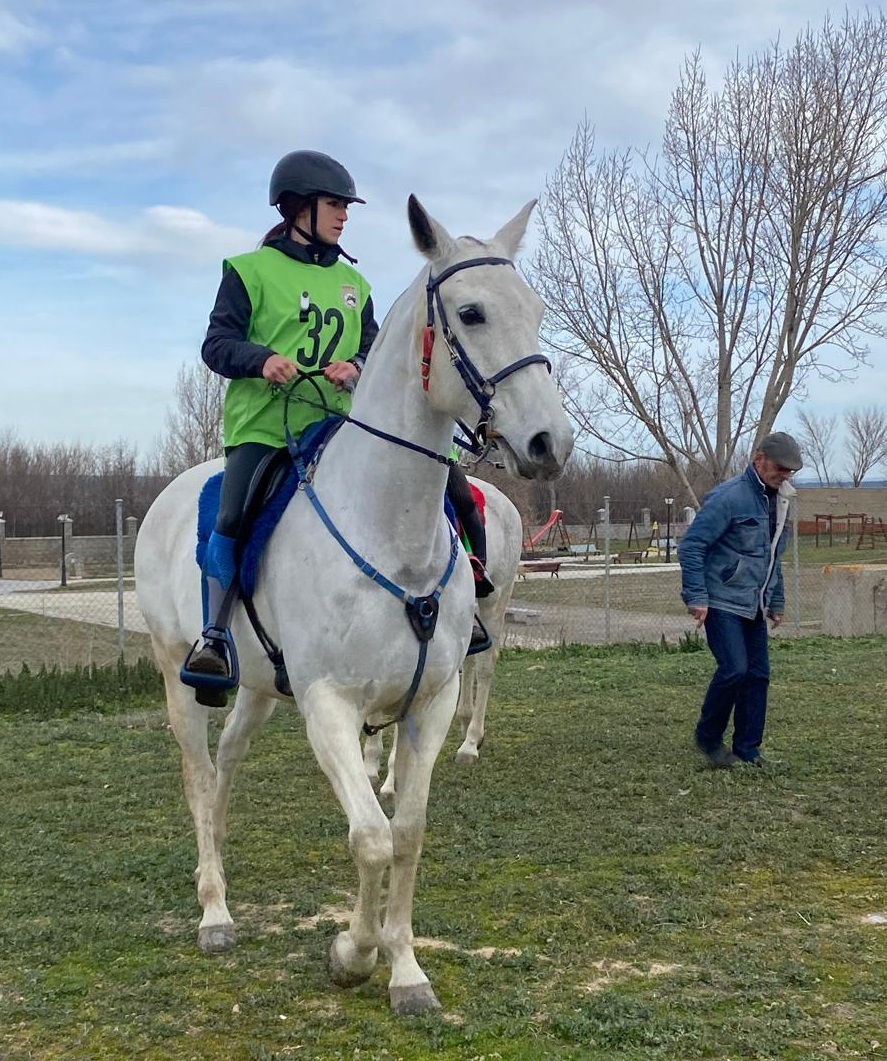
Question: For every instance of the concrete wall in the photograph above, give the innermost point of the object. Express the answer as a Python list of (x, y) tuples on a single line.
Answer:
[(854, 600), (839, 500), (83, 552)]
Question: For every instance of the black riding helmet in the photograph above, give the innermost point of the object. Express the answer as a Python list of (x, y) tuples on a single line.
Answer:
[(308, 173)]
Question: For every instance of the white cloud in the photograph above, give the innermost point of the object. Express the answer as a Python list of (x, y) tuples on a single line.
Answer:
[(168, 231), (81, 157), (17, 36)]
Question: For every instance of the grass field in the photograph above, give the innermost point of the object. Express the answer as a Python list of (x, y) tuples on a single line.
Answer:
[(588, 891), (39, 640)]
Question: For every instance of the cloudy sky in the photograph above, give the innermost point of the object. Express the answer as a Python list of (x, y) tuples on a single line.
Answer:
[(137, 137)]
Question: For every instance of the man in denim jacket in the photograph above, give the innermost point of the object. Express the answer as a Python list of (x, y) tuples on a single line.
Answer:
[(731, 581)]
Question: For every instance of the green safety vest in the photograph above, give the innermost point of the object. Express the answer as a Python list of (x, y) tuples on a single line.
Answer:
[(308, 313)]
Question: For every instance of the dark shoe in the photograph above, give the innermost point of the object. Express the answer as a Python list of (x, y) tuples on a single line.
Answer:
[(210, 671), (719, 758), (209, 660), (725, 759), (761, 763), (483, 587), (211, 695), (480, 639)]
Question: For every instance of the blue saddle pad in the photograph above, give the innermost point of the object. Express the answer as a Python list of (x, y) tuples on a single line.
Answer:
[(311, 441)]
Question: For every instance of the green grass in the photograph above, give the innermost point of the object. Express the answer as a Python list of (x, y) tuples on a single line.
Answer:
[(38, 641), (634, 904)]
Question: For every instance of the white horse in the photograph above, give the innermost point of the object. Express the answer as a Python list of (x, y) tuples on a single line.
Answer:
[(361, 584), (504, 542)]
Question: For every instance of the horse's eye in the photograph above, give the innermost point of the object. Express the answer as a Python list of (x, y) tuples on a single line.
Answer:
[(471, 314)]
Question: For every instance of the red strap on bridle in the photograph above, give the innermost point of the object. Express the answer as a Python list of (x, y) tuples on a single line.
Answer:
[(427, 347)]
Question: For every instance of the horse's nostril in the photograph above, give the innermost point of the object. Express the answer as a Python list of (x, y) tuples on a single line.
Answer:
[(540, 446)]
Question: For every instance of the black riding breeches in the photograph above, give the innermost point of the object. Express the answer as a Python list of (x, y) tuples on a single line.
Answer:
[(241, 463), (459, 491)]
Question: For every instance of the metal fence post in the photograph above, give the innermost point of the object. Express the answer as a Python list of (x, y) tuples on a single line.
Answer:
[(796, 564), (121, 629), (607, 569), (64, 521)]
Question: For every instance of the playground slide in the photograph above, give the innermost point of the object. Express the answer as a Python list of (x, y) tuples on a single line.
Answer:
[(552, 519)]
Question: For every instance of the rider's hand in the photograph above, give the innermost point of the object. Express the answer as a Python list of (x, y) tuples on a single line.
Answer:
[(279, 369), (699, 612), (341, 373)]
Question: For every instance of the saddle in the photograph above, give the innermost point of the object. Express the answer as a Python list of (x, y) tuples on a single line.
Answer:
[(272, 488)]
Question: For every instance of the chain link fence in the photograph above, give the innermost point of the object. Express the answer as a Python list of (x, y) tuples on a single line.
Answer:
[(71, 602)]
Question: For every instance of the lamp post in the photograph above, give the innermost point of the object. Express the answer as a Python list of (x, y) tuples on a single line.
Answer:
[(669, 501), (63, 520)]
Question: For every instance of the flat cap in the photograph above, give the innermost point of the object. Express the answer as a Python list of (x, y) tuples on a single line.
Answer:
[(782, 448)]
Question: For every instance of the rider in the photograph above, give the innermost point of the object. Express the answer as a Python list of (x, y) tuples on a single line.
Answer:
[(292, 305), (460, 494)]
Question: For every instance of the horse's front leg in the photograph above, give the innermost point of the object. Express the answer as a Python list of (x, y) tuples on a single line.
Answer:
[(421, 736), (332, 723)]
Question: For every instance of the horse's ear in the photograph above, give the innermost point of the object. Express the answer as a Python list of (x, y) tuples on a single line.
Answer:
[(430, 237), (510, 234)]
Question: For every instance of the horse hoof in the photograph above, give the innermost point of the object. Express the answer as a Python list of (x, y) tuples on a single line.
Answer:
[(413, 1001), (465, 758), (347, 967), (216, 939)]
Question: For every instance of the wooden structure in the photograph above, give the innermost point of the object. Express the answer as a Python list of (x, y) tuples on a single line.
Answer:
[(528, 566), (825, 522), (871, 525), (553, 534)]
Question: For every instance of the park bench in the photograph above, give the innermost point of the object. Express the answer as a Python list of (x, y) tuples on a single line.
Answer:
[(552, 566), (636, 555)]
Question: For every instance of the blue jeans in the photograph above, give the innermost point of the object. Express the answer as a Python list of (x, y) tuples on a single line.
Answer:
[(740, 683)]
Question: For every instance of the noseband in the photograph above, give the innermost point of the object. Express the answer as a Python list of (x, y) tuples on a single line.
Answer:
[(482, 389)]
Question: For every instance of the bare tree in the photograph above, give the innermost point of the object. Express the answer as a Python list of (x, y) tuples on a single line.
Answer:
[(193, 431), (40, 482), (866, 441), (816, 435), (690, 294)]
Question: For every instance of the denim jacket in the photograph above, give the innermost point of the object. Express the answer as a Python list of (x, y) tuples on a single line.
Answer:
[(728, 560)]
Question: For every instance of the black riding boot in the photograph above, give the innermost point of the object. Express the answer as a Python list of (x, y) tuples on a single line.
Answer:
[(476, 533), (212, 669)]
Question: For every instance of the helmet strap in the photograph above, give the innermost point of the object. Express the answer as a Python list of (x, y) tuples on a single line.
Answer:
[(311, 236)]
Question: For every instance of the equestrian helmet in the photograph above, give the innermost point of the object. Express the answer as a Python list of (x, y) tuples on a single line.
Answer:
[(311, 173)]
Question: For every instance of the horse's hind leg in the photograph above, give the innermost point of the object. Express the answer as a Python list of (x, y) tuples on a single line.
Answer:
[(373, 747), (189, 724), (251, 711)]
